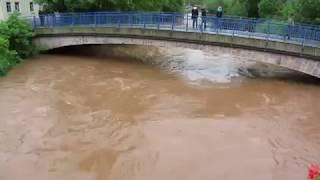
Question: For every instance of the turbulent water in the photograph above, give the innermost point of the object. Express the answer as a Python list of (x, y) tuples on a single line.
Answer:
[(138, 113)]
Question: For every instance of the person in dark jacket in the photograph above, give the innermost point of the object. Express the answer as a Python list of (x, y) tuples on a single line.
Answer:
[(41, 17), (195, 14), (204, 18), (219, 15)]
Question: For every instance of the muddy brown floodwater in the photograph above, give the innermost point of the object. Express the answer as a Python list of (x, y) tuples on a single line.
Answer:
[(92, 118)]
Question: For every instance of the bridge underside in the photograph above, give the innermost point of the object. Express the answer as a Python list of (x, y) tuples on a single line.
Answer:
[(304, 65)]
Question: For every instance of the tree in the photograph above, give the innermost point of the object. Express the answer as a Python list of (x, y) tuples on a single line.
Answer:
[(15, 42), (237, 9), (20, 36), (303, 10), (197, 2), (173, 5), (8, 58), (109, 5), (288, 10), (307, 11), (267, 8), (252, 8), (271, 8)]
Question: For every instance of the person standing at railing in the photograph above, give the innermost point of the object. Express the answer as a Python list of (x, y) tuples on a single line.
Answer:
[(290, 28), (203, 19), (41, 17), (219, 15), (219, 12), (194, 16)]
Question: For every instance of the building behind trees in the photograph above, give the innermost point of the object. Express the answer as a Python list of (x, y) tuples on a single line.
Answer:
[(23, 7)]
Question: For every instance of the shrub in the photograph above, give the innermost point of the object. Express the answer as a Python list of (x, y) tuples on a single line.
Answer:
[(15, 42), (7, 58), (20, 36)]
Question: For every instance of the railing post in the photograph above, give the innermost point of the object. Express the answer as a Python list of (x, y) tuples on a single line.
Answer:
[(218, 24), (201, 27), (250, 28), (129, 20), (212, 23), (106, 19), (187, 26), (233, 28), (52, 19), (159, 17), (144, 22), (304, 37), (119, 20), (268, 30), (34, 22), (133, 19), (173, 21), (72, 20)]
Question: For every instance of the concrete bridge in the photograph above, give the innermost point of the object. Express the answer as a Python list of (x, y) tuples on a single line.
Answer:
[(302, 57)]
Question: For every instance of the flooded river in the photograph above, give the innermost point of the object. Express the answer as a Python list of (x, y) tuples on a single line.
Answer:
[(186, 115)]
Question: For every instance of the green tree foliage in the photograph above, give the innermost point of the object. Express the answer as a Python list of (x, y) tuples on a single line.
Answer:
[(307, 11), (301, 10), (267, 8), (108, 5), (20, 36), (287, 10), (252, 8), (272, 8), (173, 5), (237, 8), (15, 42), (7, 58), (197, 2)]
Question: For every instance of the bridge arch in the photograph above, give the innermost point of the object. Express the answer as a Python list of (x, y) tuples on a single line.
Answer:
[(272, 54)]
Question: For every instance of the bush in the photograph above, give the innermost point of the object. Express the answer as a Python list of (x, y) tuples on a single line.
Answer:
[(237, 9), (7, 58), (267, 8), (15, 42), (20, 36), (308, 11)]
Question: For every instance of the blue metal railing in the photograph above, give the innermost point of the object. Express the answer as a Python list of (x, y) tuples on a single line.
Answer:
[(236, 26)]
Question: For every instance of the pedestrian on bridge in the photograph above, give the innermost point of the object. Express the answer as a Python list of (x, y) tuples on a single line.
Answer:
[(203, 19), (219, 12), (194, 16), (219, 15)]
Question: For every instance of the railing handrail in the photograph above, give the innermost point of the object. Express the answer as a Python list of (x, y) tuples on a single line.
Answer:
[(164, 12), (233, 18)]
